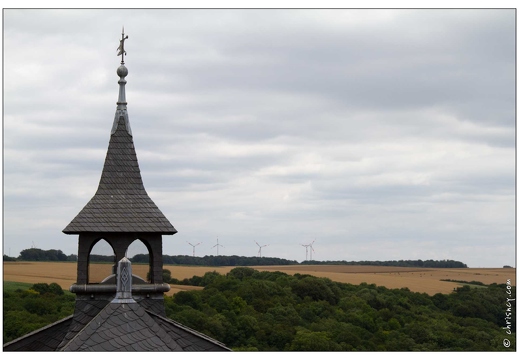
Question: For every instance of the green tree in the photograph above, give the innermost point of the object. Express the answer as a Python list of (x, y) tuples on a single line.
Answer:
[(44, 288), (305, 340), (188, 298), (241, 273), (316, 289)]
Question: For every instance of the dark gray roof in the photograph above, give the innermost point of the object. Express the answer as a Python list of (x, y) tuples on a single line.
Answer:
[(44, 339), (129, 327), (84, 312), (121, 203), (122, 327)]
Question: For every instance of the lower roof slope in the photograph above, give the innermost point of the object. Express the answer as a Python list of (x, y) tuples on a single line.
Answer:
[(122, 327), (45, 339)]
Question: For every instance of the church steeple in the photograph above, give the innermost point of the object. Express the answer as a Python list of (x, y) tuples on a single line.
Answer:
[(121, 210)]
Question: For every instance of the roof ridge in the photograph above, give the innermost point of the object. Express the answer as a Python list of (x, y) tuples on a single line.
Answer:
[(185, 328), (63, 346)]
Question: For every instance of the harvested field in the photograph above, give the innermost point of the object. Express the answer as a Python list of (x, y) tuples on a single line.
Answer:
[(426, 280), (416, 279)]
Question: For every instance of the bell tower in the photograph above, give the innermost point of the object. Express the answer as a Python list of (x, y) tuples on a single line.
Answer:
[(120, 213)]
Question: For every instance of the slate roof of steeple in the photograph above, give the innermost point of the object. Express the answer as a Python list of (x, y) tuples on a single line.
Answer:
[(121, 203)]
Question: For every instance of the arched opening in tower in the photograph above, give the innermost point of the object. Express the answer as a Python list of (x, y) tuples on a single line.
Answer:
[(138, 253), (101, 261)]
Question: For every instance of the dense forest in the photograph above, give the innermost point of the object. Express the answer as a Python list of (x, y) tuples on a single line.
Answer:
[(250, 310), (34, 254)]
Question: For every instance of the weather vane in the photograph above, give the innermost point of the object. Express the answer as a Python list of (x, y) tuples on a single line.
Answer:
[(121, 47)]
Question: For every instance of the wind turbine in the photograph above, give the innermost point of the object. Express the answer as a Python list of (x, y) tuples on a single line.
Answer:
[(194, 246), (311, 247), (217, 246), (260, 246), (306, 248)]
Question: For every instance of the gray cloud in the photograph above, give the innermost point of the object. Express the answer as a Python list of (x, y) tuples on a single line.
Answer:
[(383, 134)]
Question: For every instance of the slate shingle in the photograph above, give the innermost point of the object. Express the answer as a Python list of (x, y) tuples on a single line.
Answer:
[(121, 204)]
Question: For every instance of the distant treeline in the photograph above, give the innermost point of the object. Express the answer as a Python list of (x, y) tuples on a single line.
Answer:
[(34, 254), (403, 263), (221, 260)]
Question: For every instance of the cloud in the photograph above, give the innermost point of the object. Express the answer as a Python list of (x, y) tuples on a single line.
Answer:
[(383, 134)]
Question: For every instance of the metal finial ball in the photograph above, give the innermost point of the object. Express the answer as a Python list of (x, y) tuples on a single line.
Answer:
[(122, 71)]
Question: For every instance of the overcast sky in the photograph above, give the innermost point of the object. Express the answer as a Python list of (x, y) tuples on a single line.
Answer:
[(380, 134)]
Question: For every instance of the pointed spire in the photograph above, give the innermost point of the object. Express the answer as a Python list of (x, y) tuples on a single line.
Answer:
[(121, 203), (122, 72)]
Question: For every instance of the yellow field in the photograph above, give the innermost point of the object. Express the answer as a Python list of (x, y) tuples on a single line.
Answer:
[(416, 279)]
